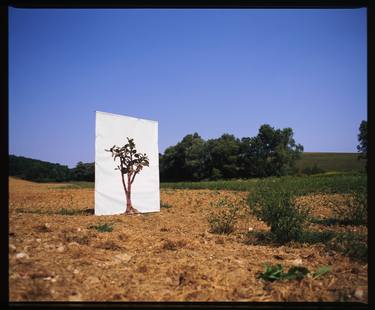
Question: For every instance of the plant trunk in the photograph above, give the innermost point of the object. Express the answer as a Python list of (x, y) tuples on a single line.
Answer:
[(129, 207), (128, 200), (128, 196)]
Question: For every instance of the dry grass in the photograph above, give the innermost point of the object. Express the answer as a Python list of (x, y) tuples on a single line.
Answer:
[(166, 256)]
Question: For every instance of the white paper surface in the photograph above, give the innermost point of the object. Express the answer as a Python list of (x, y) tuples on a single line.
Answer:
[(113, 129)]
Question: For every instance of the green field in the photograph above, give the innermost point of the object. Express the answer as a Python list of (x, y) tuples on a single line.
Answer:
[(331, 161), (343, 172), (342, 182), (334, 182)]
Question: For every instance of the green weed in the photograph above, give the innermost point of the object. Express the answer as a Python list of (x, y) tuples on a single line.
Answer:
[(165, 205), (273, 273), (102, 227), (321, 272)]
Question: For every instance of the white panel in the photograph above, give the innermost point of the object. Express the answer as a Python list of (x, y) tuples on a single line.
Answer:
[(113, 129)]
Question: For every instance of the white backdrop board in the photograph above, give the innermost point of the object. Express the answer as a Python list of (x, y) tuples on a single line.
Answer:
[(113, 129)]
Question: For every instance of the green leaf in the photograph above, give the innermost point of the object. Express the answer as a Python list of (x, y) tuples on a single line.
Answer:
[(296, 272), (272, 273), (321, 271)]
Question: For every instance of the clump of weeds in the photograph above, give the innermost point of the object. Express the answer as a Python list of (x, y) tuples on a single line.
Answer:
[(224, 219), (173, 245), (276, 206), (350, 244), (109, 245), (354, 210)]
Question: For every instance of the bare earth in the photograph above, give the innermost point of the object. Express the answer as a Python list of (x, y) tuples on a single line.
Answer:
[(166, 256)]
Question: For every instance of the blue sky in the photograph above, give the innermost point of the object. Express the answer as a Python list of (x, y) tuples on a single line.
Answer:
[(210, 71)]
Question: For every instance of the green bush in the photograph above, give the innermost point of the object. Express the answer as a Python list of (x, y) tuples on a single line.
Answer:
[(354, 211), (313, 170), (223, 221), (276, 207)]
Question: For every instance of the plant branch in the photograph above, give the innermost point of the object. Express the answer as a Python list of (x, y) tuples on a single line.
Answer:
[(123, 183), (132, 180)]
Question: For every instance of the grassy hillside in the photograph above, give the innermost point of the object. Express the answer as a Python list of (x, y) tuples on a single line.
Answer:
[(331, 161)]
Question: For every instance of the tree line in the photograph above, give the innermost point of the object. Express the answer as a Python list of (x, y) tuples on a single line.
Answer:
[(272, 152), (43, 171)]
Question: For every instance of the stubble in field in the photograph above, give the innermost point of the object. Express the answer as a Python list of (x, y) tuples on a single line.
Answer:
[(58, 252)]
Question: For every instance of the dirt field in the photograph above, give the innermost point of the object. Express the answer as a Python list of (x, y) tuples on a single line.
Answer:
[(166, 256)]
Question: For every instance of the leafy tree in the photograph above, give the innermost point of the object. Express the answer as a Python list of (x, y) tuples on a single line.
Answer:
[(362, 138), (221, 159), (271, 152), (83, 172), (249, 158), (194, 158), (184, 161), (170, 164), (131, 163)]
